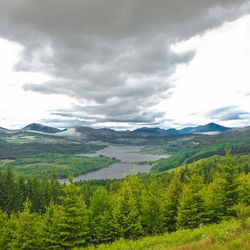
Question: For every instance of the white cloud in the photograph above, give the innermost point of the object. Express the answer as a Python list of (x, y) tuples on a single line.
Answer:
[(218, 76), (18, 107)]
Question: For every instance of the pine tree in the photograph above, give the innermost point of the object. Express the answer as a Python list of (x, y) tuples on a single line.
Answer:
[(22, 192), (24, 230), (191, 208), (222, 193), (152, 207), (127, 214), (101, 206), (152, 214), (49, 234), (244, 188), (69, 221), (171, 202), (9, 191)]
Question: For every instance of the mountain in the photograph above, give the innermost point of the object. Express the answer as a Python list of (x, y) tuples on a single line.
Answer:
[(96, 134), (149, 131), (3, 130), (210, 127), (41, 128)]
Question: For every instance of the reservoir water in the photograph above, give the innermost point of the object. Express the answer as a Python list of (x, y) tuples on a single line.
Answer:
[(130, 157)]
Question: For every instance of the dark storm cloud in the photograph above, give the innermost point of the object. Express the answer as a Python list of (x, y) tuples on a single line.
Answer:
[(113, 56), (227, 113)]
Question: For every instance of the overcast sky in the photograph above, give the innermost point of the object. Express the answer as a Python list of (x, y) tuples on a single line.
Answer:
[(124, 63)]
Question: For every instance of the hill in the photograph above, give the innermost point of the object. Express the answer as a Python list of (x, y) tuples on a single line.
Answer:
[(180, 209), (41, 128), (210, 127), (224, 236)]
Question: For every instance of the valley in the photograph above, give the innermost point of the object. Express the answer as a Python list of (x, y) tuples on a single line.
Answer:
[(132, 161), (147, 189), (88, 153)]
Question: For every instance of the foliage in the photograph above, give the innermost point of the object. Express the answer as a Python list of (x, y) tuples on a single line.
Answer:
[(15, 150), (92, 213), (227, 235), (62, 165), (190, 149), (66, 225)]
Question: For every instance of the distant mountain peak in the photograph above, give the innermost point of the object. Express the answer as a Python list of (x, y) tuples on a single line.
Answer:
[(210, 127), (41, 128)]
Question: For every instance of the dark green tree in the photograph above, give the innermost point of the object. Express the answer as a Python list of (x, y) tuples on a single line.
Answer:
[(69, 221)]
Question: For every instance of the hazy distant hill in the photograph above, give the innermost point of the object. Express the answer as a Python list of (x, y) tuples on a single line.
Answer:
[(3, 130), (98, 134), (210, 127), (41, 128)]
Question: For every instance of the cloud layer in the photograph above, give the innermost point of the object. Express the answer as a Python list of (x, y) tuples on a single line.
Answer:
[(112, 57)]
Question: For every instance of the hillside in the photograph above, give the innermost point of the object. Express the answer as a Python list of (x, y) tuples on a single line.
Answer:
[(224, 236), (181, 209), (191, 148), (41, 128)]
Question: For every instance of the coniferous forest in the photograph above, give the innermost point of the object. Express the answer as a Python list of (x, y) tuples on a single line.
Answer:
[(124, 125), (43, 214)]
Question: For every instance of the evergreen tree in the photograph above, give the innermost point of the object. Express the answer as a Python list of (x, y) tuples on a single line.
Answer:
[(191, 208), (127, 215), (49, 228), (152, 207), (223, 194), (244, 188), (171, 202), (24, 230), (69, 221), (101, 206), (22, 192), (9, 191)]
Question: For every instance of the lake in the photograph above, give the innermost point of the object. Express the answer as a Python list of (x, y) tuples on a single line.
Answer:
[(128, 155)]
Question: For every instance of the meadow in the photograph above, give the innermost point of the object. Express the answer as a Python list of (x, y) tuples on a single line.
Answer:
[(226, 235)]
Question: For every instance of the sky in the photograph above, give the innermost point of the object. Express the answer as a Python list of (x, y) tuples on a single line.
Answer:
[(124, 64)]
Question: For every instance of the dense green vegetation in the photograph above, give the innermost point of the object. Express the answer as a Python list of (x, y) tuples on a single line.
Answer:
[(61, 165), (223, 236), (14, 149), (71, 216), (190, 149)]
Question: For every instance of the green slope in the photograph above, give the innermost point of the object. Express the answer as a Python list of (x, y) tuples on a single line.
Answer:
[(227, 235), (199, 148)]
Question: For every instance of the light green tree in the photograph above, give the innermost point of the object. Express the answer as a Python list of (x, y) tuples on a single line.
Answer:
[(127, 210), (191, 204)]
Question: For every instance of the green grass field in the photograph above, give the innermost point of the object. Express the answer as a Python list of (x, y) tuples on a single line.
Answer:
[(227, 235), (61, 165)]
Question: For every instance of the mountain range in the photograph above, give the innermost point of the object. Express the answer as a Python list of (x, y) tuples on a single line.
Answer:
[(144, 131)]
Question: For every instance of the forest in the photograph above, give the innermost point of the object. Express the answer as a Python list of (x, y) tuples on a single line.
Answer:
[(40, 213), (62, 165)]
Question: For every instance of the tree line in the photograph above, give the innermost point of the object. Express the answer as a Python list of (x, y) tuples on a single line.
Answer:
[(43, 214)]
